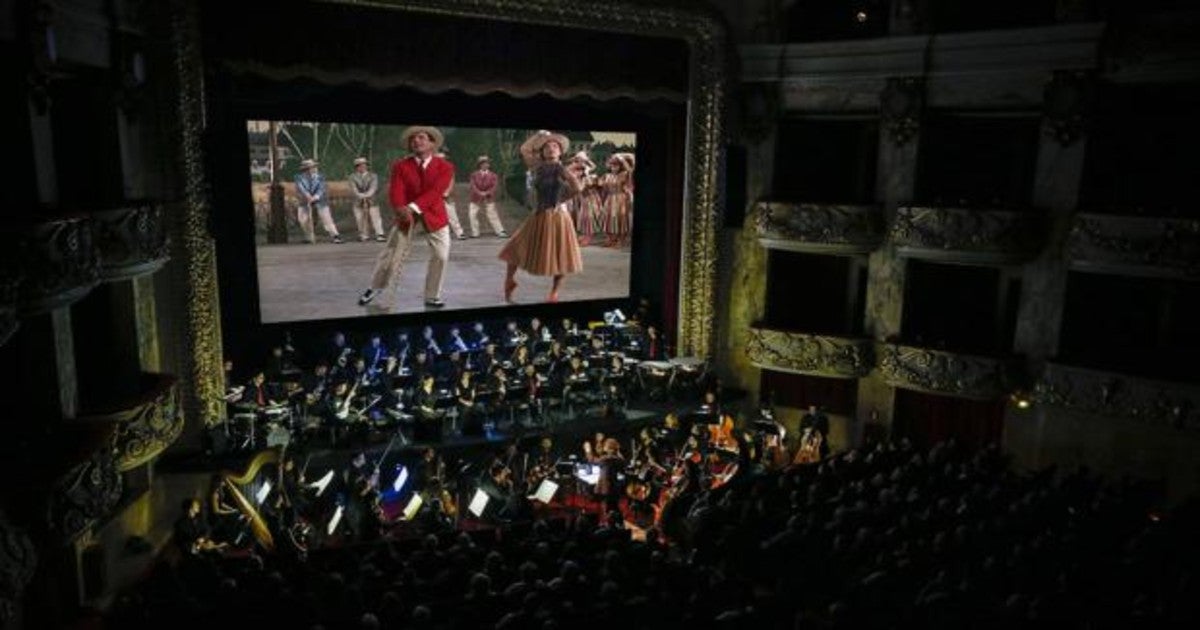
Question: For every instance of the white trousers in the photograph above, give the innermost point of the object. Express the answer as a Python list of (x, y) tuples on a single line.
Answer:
[(362, 215), (304, 217), (452, 215), (493, 218), (390, 262)]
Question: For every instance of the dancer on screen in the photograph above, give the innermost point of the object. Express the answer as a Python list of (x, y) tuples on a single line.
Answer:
[(545, 244), (417, 188)]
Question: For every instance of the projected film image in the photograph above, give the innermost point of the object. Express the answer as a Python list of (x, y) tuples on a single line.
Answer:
[(357, 220)]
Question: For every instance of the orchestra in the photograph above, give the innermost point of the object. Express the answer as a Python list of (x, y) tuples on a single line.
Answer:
[(465, 386)]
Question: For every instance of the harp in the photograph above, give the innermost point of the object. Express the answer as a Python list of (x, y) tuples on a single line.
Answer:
[(250, 490)]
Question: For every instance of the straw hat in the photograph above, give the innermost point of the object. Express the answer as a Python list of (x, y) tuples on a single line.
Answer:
[(626, 160), (531, 150), (307, 164), (481, 159), (432, 132), (582, 157), (361, 160)]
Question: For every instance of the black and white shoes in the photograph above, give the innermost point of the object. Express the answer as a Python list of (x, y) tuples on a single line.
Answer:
[(367, 296)]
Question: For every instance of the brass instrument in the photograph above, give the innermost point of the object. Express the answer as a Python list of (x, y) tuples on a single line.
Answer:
[(234, 482)]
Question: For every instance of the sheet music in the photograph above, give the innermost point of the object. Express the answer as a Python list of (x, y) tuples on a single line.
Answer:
[(478, 503), (414, 504), (400, 479), (545, 491), (263, 491), (333, 522)]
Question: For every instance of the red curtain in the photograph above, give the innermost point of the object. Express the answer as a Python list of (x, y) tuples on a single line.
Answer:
[(928, 418)]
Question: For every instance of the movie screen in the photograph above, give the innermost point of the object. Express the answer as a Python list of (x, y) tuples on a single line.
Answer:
[(358, 220)]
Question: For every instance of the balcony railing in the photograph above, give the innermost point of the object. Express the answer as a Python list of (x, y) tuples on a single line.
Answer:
[(1142, 246), (819, 228), (1112, 394), (942, 372), (132, 241), (964, 235), (816, 355)]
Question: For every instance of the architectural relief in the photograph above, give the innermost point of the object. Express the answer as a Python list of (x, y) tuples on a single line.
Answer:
[(1109, 394), (148, 428), (87, 493), (818, 355), (1153, 246), (965, 235), (61, 264), (819, 228), (132, 241), (940, 372)]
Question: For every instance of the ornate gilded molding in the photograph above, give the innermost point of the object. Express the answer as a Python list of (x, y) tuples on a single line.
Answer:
[(964, 235), (86, 494), (132, 241), (941, 372), (1144, 246), (701, 29), (816, 355), (147, 426), (1066, 105), (819, 228), (194, 246), (900, 107), (61, 264), (1117, 395), (18, 559)]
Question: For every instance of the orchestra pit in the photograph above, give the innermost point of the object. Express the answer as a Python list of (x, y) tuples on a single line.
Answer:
[(734, 314)]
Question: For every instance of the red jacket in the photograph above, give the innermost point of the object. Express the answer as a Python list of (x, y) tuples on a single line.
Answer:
[(424, 187)]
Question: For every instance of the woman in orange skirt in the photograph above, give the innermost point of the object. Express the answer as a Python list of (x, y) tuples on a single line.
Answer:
[(545, 244)]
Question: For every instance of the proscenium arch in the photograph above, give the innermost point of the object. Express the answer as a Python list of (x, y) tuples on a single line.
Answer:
[(702, 31)]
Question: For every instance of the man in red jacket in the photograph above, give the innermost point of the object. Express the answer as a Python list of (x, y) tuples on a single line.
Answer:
[(416, 190)]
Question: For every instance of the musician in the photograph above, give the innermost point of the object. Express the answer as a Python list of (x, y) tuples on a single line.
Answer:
[(566, 330), (653, 347), (537, 332), (543, 461), (339, 350), (576, 382), (420, 366), (191, 532), (315, 383), (456, 342), (513, 335), (276, 365), (478, 337), (226, 519), (816, 419), (375, 353), (608, 488), (429, 419), (428, 343), (260, 393), (520, 358), (403, 349), (812, 446), (614, 386), (432, 471), (497, 387), (488, 360), (593, 449), (533, 386), (454, 366), (362, 484), (464, 396)]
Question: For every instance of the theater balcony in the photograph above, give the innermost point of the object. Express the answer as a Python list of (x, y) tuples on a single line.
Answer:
[(812, 355), (966, 235), (1148, 401), (942, 372), (132, 241), (61, 263), (819, 228), (1160, 247)]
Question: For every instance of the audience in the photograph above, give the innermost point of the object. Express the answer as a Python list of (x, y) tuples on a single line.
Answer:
[(887, 536)]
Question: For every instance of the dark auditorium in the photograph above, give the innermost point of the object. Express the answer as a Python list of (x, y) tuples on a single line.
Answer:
[(561, 315)]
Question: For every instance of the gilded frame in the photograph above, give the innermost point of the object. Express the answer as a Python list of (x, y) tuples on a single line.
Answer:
[(705, 36)]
